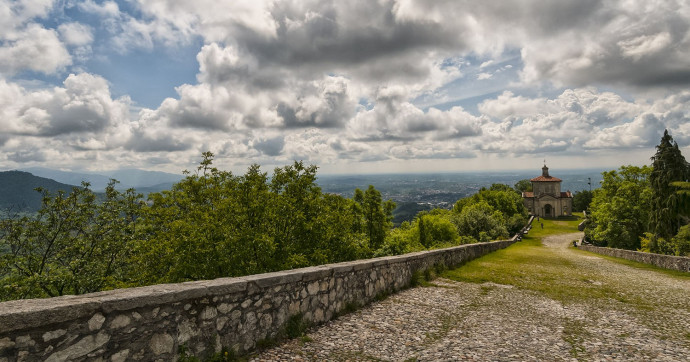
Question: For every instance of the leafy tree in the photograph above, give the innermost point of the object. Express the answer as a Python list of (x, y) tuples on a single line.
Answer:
[(503, 200), (620, 208), (524, 185), (72, 245), (401, 240), (436, 229), (582, 200), (377, 215), (668, 166), (481, 222)]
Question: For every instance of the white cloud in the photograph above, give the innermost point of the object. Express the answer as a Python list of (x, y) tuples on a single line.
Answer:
[(36, 49), (75, 34), (82, 105)]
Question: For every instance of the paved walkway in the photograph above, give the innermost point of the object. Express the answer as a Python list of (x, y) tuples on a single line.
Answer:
[(490, 322)]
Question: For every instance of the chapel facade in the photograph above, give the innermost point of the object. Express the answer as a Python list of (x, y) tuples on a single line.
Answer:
[(546, 198)]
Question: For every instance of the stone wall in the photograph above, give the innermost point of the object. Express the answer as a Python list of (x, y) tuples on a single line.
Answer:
[(151, 323), (663, 261)]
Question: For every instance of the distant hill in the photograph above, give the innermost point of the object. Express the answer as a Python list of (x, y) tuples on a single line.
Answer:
[(98, 182), (18, 194), (142, 181)]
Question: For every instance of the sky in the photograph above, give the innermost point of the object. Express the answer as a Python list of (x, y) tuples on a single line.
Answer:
[(357, 86)]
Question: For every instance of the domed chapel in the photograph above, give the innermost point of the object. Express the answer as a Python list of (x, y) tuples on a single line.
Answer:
[(546, 198)]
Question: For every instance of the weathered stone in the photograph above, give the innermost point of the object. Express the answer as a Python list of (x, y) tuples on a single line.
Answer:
[(224, 308), (161, 343), (22, 356), (120, 321), (120, 356), (294, 307), (318, 315), (313, 288), (49, 336), (24, 341), (82, 348), (186, 331), (250, 321), (6, 343), (257, 311), (265, 321), (208, 313), (235, 315), (96, 322), (220, 323), (246, 303)]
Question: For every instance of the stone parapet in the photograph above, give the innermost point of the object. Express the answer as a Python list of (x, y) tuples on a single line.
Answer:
[(663, 261), (151, 323)]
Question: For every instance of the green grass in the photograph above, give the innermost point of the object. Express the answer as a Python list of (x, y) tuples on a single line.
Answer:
[(531, 266), (556, 226), (575, 333)]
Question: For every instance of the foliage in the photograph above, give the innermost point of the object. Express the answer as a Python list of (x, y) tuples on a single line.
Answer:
[(506, 213), (620, 208), (669, 166), (72, 245), (582, 200), (378, 215), (524, 185), (214, 224), (481, 222)]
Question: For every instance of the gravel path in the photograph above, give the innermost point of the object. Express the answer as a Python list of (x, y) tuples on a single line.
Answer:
[(489, 322)]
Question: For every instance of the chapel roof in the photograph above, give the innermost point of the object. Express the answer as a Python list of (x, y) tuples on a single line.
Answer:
[(545, 177)]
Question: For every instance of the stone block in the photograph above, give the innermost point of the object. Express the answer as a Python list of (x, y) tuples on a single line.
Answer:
[(161, 343), (80, 349), (315, 273)]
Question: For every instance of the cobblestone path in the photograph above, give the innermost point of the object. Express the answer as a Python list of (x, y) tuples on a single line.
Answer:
[(645, 317)]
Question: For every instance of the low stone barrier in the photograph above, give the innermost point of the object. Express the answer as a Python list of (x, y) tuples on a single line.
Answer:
[(151, 323), (663, 261)]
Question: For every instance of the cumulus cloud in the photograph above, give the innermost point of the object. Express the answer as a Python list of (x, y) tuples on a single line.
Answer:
[(76, 34), (329, 81), (82, 105), (37, 49)]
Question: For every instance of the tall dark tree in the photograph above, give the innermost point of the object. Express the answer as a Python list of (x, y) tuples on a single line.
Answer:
[(581, 200), (668, 166), (377, 215), (523, 186)]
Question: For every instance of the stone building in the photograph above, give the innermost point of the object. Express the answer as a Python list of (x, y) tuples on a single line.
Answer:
[(546, 198)]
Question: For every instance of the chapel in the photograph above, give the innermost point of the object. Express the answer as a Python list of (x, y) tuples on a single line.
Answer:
[(546, 198)]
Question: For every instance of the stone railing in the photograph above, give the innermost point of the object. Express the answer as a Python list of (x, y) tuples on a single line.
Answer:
[(152, 323), (663, 261)]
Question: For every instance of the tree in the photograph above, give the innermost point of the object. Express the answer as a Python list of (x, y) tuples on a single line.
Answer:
[(524, 185), (72, 245), (377, 215), (620, 208), (481, 222), (668, 166), (582, 200), (503, 200), (436, 229)]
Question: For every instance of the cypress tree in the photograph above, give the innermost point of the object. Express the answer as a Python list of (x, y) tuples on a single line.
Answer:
[(668, 166)]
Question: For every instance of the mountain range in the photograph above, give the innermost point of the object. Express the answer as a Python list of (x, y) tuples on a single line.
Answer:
[(18, 194), (143, 181), (18, 191)]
